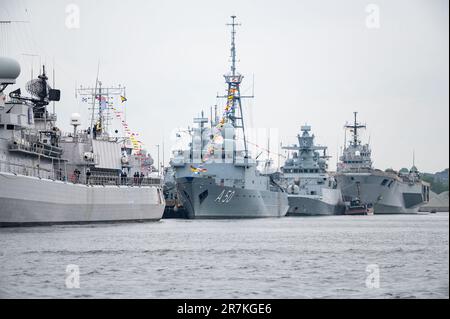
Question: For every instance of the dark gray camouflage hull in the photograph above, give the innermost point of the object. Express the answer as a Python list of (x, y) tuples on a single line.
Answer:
[(202, 198)]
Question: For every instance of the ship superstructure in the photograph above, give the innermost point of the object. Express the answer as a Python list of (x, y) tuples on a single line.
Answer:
[(311, 190), (216, 177), (389, 192), (50, 176)]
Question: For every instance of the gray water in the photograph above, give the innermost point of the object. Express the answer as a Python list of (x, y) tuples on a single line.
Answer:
[(324, 257)]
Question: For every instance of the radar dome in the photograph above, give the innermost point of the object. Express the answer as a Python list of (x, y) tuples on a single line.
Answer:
[(75, 119), (9, 70)]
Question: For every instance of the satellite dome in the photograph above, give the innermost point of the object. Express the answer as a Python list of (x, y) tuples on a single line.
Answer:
[(75, 119), (9, 70)]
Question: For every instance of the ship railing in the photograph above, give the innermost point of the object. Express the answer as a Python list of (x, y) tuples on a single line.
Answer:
[(360, 169), (26, 170), (35, 148), (116, 180), (80, 137), (55, 174), (45, 116)]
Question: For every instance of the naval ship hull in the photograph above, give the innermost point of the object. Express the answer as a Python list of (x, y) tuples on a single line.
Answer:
[(202, 198), (330, 203), (388, 194), (28, 201)]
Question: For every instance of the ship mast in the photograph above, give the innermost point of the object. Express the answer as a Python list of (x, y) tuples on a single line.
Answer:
[(354, 129), (309, 145), (101, 107), (233, 80), (233, 45)]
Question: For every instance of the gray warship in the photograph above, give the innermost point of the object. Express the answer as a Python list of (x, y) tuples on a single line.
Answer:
[(217, 179), (51, 177), (312, 191), (389, 192)]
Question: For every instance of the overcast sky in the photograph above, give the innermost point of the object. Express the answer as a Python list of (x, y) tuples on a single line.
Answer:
[(314, 62)]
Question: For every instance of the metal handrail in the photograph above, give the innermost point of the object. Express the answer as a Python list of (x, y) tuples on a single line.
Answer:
[(26, 170), (116, 180), (55, 174)]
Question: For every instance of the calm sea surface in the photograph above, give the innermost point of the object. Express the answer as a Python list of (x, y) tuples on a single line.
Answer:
[(324, 257)]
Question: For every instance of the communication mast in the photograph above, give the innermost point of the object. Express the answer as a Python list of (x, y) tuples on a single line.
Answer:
[(354, 129), (233, 80), (101, 100)]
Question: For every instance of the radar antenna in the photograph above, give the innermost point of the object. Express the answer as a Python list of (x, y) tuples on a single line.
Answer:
[(354, 129), (39, 87), (234, 79), (233, 24), (100, 97), (41, 92)]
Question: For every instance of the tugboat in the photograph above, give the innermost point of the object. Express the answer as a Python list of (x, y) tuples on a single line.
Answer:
[(215, 178), (51, 177), (356, 207), (311, 190)]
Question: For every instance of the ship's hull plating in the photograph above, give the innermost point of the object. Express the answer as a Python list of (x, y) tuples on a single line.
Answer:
[(32, 201), (202, 198), (313, 205), (387, 194)]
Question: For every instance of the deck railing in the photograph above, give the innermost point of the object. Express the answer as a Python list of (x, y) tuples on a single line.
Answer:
[(26, 170), (93, 179)]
